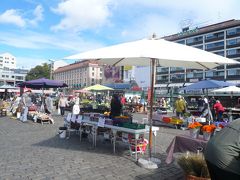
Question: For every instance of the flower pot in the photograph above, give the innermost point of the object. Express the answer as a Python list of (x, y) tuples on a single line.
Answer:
[(194, 133), (206, 136), (191, 177)]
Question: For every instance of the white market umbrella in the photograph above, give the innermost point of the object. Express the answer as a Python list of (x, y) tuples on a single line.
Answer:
[(229, 89), (151, 51)]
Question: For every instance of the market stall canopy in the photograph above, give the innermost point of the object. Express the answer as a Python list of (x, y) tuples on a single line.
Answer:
[(81, 91), (168, 54), (98, 87), (43, 83), (154, 51), (7, 86), (207, 84), (229, 89)]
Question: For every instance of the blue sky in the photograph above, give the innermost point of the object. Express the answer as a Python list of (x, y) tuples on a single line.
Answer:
[(37, 30)]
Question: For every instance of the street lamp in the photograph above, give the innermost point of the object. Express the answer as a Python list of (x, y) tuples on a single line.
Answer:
[(51, 68)]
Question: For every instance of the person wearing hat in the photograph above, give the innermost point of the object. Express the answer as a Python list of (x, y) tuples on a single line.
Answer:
[(26, 102), (180, 106)]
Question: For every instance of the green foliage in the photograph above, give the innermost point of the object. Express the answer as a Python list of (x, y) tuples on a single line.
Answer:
[(40, 71)]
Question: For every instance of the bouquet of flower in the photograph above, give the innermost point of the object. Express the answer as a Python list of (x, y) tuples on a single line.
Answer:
[(209, 128), (194, 125)]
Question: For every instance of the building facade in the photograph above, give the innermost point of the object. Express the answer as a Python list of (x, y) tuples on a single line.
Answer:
[(7, 61), (221, 38), (80, 74), (9, 74)]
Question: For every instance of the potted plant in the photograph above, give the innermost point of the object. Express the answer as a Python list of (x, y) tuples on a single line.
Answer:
[(194, 129), (194, 166), (208, 131)]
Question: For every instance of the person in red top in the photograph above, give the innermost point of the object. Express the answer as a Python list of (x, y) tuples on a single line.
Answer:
[(219, 109), (123, 100)]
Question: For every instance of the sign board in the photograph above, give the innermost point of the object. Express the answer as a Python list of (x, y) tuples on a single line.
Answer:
[(101, 122)]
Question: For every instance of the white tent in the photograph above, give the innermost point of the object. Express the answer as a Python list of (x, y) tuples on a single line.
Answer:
[(229, 89)]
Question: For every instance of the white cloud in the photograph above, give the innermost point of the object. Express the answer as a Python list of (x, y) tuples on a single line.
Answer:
[(32, 40), (16, 17), (38, 13), (165, 17), (81, 14), (12, 16)]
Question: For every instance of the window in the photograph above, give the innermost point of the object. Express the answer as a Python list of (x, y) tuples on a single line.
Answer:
[(209, 74), (194, 39), (92, 73), (232, 52), (199, 47), (221, 53), (12, 76), (233, 31), (233, 41), (214, 45), (162, 69), (214, 35), (181, 41), (232, 72), (3, 75)]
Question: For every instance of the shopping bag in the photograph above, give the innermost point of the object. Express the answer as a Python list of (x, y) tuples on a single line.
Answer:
[(59, 112)]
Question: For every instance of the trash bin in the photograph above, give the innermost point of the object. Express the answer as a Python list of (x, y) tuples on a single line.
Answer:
[(62, 132)]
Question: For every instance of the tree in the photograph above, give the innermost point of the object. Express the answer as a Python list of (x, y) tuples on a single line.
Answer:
[(40, 71)]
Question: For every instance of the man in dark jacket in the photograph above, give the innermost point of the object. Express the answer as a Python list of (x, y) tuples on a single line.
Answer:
[(116, 106), (223, 153)]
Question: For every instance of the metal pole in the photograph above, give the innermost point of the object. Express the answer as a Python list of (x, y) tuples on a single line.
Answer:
[(151, 105)]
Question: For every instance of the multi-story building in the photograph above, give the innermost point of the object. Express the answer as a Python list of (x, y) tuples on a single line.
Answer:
[(8, 72), (7, 61), (221, 38), (80, 74)]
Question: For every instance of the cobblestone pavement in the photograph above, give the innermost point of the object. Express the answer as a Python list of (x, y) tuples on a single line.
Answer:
[(34, 151)]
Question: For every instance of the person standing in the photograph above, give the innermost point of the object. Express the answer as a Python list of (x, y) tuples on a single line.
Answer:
[(116, 106), (62, 104), (180, 106), (222, 153), (219, 109), (48, 105), (27, 102), (76, 107)]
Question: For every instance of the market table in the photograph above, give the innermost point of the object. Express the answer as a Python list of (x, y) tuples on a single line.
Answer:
[(183, 143), (115, 129)]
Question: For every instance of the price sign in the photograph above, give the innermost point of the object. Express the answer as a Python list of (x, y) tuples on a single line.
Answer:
[(101, 122), (79, 119)]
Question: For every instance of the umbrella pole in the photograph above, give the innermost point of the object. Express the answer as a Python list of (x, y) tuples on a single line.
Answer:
[(151, 105)]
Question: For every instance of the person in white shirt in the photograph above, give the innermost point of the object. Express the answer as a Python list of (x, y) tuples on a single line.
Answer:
[(62, 104)]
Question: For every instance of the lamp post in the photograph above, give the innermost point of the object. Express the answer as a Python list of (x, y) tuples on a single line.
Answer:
[(51, 68)]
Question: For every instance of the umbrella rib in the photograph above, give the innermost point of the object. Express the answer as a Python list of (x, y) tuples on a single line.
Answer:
[(118, 61), (203, 65)]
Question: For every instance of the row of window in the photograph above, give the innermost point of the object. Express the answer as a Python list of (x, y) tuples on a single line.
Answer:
[(210, 36), (208, 74)]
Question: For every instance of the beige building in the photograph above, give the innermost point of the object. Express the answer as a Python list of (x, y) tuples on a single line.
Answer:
[(80, 74)]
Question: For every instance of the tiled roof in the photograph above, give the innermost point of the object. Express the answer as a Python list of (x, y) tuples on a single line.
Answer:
[(76, 65), (205, 29)]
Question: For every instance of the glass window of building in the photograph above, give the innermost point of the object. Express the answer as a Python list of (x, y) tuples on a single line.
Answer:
[(214, 45), (189, 75), (194, 40), (233, 31), (209, 74), (214, 35), (232, 52), (181, 41), (233, 41), (176, 68), (199, 47), (162, 69), (232, 72), (221, 53)]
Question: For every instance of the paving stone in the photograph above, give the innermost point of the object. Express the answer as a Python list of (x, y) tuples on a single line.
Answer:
[(34, 151)]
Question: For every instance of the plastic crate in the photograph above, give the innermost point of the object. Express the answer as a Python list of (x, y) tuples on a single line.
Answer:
[(133, 125)]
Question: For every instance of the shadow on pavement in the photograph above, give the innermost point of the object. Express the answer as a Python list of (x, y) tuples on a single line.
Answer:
[(164, 171)]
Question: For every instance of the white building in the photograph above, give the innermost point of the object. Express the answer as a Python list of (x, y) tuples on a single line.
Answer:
[(7, 61), (80, 74), (8, 72)]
